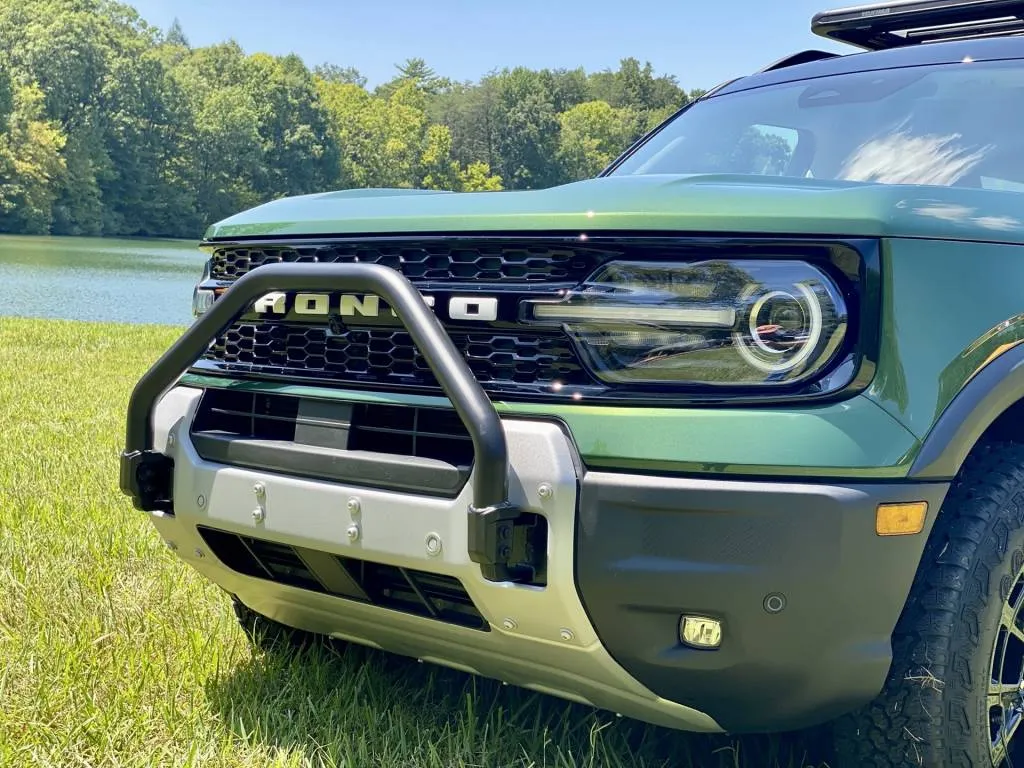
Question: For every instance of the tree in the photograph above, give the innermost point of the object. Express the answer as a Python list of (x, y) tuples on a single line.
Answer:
[(593, 134), (389, 142), (333, 73), (416, 73), (477, 177), (524, 129), (95, 63), (440, 171), (176, 35), (30, 164)]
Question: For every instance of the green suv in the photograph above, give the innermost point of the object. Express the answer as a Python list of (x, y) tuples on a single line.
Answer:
[(730, 438)]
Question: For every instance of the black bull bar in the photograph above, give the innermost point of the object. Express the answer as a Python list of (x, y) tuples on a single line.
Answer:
[(147, 475)]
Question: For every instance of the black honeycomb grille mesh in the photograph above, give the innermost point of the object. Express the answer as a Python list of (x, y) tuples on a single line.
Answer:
[(387, 356), (441, 260)]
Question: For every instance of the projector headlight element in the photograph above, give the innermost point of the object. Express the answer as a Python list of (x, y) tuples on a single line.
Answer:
[(710, 323)]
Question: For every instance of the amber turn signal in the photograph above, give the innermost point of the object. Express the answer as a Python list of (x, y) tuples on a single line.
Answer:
[(900, 519)]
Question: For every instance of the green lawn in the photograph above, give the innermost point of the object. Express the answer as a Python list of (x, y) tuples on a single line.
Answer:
[(112, 653)]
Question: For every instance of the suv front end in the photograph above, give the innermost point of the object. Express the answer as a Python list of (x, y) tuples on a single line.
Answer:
[(669, 442)]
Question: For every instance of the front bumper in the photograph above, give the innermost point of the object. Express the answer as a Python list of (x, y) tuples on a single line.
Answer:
[(627, 556), (538, 638)]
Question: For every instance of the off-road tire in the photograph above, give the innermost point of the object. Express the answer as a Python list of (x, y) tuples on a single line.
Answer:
[(932, 711), (269, 635)]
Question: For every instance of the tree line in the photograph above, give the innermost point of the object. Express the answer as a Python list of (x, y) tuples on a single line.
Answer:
[(109, 126)]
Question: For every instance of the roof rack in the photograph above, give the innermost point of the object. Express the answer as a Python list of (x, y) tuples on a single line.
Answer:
[(900, 23)]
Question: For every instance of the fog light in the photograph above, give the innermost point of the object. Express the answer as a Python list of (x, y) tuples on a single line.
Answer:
[(900, 519), (700, 631)]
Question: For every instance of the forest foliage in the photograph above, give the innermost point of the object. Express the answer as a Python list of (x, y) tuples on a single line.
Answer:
[(109, 126)]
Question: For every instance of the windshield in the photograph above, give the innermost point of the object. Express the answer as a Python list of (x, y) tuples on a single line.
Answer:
[(946, 125)]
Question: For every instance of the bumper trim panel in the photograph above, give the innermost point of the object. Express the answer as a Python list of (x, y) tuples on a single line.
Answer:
[(807, 593)]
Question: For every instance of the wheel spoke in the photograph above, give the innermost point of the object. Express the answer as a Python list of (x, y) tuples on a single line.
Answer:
[(1000, 750), (1005, 695), (1008, 619), (1013, 725), (998, 753)]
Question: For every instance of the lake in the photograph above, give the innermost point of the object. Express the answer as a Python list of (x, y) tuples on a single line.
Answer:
[(105, 279)]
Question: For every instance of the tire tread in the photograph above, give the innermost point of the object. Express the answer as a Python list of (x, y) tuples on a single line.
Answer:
[(923, 716)]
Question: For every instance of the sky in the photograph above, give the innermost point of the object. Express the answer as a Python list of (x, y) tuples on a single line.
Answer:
[(701, 43)]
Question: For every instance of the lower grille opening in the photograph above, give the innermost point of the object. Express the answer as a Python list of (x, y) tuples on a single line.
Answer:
[(429, 433), (421, 593), (361, 443)]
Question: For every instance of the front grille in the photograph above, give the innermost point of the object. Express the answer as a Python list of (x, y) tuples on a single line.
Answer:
[(507, 358), (386, 356), (420, 593), (442, 259)]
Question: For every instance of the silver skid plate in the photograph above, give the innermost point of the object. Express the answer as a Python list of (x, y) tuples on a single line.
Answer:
[(539, 638)]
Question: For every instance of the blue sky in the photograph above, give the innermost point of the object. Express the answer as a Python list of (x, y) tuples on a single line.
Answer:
[(702, 43)]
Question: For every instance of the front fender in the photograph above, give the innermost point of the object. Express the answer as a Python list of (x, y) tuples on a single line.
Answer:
[(990, 392)]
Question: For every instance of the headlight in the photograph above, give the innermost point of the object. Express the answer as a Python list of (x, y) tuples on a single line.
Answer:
[(710, 323), (202, 298)]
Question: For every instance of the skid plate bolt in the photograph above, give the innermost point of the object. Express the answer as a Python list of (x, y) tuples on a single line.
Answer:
[(172, 546), (567, 635), (433, 544), (353, 506), (201, 501), (509, 624), (258, 514), (545, 491), (199, 553), (259, 489), (170, 439), (352, 532)]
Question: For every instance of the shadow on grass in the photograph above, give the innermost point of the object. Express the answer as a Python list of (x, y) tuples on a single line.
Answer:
[(338, 705)]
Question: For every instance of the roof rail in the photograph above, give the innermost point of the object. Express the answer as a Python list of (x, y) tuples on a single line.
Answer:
[(799, 58), (900, 23)]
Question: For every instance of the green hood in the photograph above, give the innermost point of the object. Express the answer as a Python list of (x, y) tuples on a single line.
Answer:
[(700, 203)]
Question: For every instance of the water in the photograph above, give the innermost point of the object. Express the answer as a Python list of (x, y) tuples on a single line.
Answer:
[(86, 278)]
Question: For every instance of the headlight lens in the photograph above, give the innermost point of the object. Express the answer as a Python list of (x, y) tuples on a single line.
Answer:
[(202, 298), (710, 323)]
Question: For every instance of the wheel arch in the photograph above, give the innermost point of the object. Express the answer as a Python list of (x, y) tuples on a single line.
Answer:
[(991, 404)]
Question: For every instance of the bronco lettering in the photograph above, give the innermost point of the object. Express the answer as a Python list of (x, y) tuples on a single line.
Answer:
[(350, 305)]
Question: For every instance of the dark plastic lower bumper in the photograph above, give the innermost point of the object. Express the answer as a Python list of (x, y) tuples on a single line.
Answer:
[(650, 550)]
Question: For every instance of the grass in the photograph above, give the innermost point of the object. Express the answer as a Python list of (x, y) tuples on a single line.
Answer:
[(113, 653)]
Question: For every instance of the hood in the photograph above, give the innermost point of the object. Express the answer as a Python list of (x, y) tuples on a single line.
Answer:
[(693, 203)]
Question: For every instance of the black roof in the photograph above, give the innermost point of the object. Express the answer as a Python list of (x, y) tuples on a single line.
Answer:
[(989, 49)]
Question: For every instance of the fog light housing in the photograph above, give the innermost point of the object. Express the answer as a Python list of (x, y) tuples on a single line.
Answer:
[(700, 631)]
